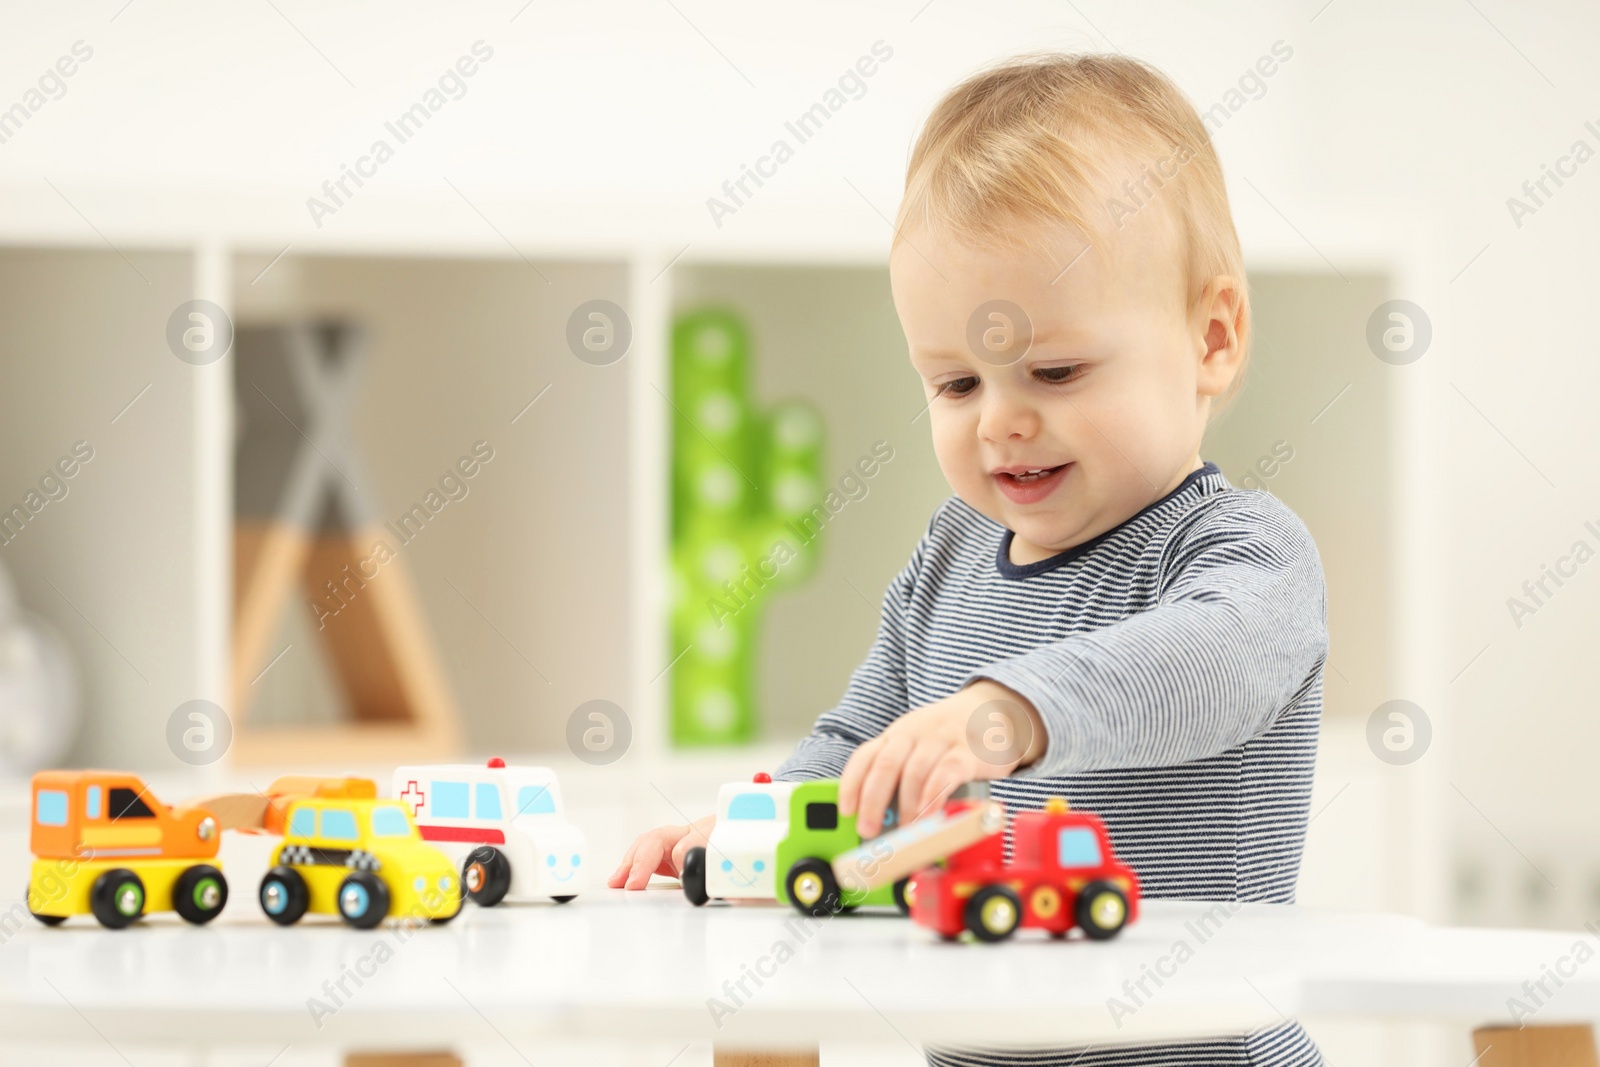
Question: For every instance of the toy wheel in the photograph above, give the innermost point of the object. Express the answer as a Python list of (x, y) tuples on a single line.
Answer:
[(363, 899), (812, 888), (993, 912), (117, 898), (902, 896), (283, 895), (569, 898), (693, 875), (48, 920), (200, 893), (486, 876), (1101, 910)]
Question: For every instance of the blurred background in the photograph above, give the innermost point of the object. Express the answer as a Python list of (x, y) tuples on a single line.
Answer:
[(274, 277)]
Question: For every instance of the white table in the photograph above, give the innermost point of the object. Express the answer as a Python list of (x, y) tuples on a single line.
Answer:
[(615, 964)]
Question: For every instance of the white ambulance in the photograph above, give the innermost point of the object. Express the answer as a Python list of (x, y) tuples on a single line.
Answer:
[(504, 825), (742, 849)]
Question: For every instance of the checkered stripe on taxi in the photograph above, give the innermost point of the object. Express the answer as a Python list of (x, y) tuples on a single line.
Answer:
[(309, 856)]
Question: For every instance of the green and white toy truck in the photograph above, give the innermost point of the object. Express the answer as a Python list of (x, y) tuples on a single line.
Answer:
[(777, 841)]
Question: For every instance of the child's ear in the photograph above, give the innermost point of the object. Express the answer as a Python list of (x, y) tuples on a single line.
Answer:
[(1217, 321)]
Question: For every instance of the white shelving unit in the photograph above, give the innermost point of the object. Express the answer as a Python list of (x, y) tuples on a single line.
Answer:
[(467, 304)]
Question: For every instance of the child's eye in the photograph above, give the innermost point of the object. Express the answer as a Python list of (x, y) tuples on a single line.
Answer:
[(1058, 375), (958, 387)]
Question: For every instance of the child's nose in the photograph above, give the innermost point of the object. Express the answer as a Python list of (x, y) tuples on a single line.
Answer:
[(1007, 417)]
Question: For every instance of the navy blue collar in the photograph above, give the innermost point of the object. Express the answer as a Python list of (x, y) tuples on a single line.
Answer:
[(1007, 569)]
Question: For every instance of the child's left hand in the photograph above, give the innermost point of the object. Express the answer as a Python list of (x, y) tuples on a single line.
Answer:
[(931, 751)]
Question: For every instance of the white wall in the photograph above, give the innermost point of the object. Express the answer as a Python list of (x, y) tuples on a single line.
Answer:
[(109, 554), (1429, 112)]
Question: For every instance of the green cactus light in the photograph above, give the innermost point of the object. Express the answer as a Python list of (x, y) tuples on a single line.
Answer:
[(743, 488)]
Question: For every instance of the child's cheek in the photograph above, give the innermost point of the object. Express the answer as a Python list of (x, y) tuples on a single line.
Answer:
[(955, 445)]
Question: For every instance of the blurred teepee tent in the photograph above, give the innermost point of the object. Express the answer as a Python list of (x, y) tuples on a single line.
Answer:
[(302, 521)]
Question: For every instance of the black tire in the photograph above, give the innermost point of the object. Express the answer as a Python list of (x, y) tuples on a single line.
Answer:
[(693, 875), (200, 894), (363, 900), (568, 899), (902, 896), (489, 871), (992, 913), (48, 920), (283, 895), (812, 888), (117, 898), (1101, 910)]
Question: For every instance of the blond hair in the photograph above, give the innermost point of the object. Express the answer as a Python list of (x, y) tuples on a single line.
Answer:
[(1036, 140)]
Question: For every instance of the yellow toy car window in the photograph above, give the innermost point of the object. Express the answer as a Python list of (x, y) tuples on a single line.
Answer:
[(339, 825)]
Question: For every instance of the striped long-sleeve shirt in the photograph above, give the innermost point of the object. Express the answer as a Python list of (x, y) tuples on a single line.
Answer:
[(1176, 662)]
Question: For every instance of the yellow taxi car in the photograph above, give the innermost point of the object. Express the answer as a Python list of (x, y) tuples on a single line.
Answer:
[(359, 858)]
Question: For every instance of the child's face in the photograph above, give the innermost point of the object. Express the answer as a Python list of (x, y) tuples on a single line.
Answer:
[(1110, 400)]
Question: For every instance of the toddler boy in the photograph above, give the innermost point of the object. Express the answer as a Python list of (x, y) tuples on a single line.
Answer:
[(1147, 640)]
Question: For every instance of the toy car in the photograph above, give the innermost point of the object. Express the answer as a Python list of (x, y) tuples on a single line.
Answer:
[(775, 841), (347, 853), (503, 825), (104, 845), (1062, 874)]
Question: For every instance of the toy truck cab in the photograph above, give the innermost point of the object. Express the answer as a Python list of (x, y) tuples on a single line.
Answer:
[(740, 857), (1063, 874), (818, 834), (360, 858), (104, 845), (504, 826)]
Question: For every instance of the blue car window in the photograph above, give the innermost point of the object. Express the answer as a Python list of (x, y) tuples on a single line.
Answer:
[(535, 800), (339, 825), (449, 800), (488, 800), (51, 808), (752, 806), (1077, 847), (91, 802), (390, 822), (303, 824)]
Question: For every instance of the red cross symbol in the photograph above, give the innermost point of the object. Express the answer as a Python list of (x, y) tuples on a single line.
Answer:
[(414, 796)]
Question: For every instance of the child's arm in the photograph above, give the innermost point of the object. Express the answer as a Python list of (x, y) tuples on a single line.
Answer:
[(870, 719), (1238, 632)]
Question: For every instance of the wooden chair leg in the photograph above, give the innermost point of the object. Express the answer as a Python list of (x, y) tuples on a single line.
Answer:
[(402, 1059), (744, 1057), (1535, 1046)]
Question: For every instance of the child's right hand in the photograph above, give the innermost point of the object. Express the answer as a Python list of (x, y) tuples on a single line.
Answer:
[(660, 851)]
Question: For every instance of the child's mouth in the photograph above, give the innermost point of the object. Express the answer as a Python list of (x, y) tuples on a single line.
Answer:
[(1029, 485)]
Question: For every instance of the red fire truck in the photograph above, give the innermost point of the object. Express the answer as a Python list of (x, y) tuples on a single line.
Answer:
[(1062, 874)]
